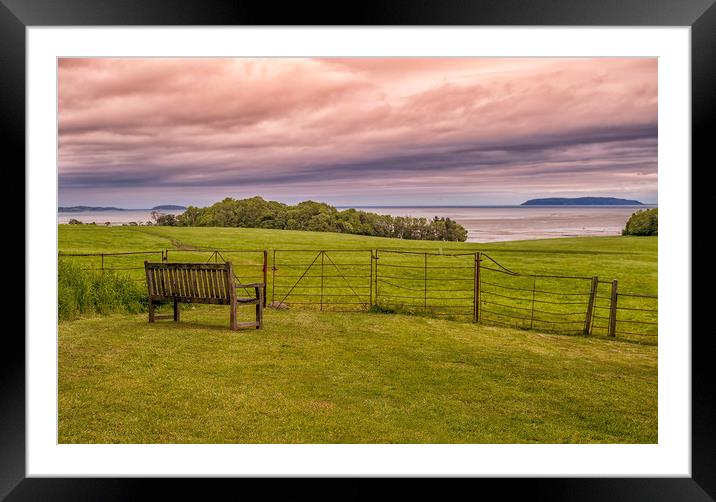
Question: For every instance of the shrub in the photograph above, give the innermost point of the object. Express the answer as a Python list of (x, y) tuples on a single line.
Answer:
[(73, 221), (643, 222), (89, 292), (380, 309)]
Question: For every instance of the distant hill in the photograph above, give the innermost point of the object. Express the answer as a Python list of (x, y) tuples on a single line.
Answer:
[(582, 201), (169, 207), (79, 209)]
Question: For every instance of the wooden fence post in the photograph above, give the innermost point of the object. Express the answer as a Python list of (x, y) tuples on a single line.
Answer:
[(370, 282), (273, 278), (265, 271), (102, 265), (476, 292), (613, 310), (590, 306)]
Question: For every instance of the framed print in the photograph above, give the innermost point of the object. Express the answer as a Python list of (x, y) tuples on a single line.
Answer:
[(413, 242)]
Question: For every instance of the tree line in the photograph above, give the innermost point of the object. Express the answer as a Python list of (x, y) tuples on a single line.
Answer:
[(256, 212)]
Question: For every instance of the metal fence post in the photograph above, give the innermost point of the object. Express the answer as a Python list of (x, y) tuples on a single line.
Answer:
[(376, 277), (613, 310), (590, 306), (322, 255), (425, 284), (102, 264), (532, 312), (476, 291)]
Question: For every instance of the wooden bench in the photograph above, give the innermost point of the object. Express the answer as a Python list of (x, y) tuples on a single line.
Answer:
[(211, 283)]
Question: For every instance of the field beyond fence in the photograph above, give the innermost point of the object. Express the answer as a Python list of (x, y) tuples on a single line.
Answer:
[(472, 287)]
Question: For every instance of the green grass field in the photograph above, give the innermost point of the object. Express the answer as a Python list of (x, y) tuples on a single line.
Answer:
[(330, 376)]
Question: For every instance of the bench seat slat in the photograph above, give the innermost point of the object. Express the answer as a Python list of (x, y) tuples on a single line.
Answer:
[(180, 281), (192, 299), (212, 281), (170, 281), (200, 282)]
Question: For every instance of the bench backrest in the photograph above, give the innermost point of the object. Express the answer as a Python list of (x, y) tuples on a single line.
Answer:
[(197, 282)]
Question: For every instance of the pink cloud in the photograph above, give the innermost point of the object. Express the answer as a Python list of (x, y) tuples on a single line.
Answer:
[(175, 122)]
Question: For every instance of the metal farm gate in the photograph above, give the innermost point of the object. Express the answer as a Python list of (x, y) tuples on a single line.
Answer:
[(441, 284), (326, 279)]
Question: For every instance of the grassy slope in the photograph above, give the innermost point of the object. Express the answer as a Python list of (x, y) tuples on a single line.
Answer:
[(332, 377), (349, 378), (630, 259)]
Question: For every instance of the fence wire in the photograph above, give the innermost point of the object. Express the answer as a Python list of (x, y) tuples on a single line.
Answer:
[(458, 285)]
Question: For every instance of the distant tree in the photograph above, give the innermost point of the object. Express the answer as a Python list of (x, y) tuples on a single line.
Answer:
[(166, 220), (256, 212), (644, 222), (74, 222), (107, 223), (190, 217)]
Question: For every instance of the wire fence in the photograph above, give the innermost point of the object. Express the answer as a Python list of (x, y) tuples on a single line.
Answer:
[(250, 266), (454, 285)]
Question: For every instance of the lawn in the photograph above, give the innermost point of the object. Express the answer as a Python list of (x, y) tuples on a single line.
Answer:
[(326, 377), (330, 376)]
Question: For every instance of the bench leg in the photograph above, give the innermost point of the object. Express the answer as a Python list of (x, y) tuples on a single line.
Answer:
[(232, 317), (151, 310), (259, 308), (176, 311)]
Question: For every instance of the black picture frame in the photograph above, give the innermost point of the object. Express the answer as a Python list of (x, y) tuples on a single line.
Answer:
[(700, 15)]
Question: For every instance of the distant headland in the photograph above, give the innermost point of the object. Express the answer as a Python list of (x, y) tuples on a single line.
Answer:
[(169, 207), (582, 201), (82, 209)]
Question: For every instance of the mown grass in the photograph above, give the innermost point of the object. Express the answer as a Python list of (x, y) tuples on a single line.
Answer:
[(630, 259), (329, 377)]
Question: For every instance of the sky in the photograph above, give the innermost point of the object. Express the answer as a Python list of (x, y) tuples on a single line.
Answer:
[(139, 132)]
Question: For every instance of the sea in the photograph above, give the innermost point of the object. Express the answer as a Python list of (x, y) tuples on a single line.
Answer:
[(512, 223), (483, 223)]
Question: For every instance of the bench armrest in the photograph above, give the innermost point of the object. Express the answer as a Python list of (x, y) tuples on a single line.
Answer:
[(252, 285)]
